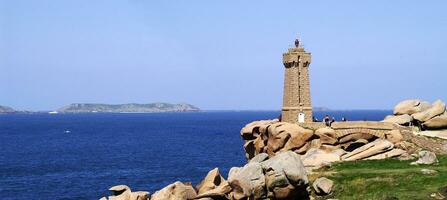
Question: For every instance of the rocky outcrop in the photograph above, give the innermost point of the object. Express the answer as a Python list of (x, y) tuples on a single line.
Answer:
[(411, 106), (323, 186), (437, 108), (374, 148), (281, 177), (123, 192), (316, 158), (404, 119), (327, 135), (426, 158), (388, 154), (285, 176), (213, 186), (420, 113), (394, 136), (437, 122), (175, 191), (247, 181), (322, 146)]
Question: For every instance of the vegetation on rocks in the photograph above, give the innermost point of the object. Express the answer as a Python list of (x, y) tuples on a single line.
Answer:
[(386, 179)]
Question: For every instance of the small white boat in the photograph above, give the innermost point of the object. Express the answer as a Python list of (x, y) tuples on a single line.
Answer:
[(53, 112), (67, 131)]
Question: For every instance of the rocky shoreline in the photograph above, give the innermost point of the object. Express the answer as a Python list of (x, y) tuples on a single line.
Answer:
[(281, 155)]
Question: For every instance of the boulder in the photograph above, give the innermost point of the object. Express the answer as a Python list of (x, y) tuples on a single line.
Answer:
[(213, 185), (388, 154), (399, 119), (175, 191), (428, 171), (285, 176), (339, 152), (316, 143), (277, 142), (315, 158), (303, 149), (250, 131), (140, 195), (259, 145), (410, 107), (426, 158), (355, 137), (120, 192), (123, 192), (260, 157), (329, 148), (394, 136), (248, 181), (376, 147), (442, 134), (250, 150), (327, 135), (363, 125), (298, 137), (323, 186), (437, 108), (437, 122)]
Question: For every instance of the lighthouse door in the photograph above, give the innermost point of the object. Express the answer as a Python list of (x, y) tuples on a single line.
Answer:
[(300, 117)]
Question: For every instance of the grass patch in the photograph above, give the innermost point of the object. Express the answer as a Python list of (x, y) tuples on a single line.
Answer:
[(385, 179)]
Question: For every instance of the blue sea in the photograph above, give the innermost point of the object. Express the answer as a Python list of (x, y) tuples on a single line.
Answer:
[(79, 156)]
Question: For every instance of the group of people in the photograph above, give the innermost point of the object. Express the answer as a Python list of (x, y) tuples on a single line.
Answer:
[(329, 120)]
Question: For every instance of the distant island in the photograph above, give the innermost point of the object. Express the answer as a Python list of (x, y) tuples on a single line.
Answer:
[(321, 109), (127, 108), (6, 109)]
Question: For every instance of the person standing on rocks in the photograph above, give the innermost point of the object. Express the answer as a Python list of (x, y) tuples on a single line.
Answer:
[(326, 120), (332, 121)]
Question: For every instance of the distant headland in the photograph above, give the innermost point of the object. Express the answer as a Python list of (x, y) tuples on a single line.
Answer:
[(112, 108), (6, 109), (129, 108)]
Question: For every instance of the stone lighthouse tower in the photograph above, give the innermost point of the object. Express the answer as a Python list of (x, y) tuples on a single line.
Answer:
[(297, 107)]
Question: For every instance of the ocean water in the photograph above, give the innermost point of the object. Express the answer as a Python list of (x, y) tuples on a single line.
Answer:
[(79, 156)]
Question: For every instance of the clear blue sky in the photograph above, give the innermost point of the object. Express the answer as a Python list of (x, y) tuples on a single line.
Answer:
[(219, 54)]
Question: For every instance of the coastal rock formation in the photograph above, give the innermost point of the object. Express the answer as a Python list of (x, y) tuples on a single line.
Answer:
[(420, 113), (247, 181), (411, 106), (213, 186), (353, 140), (437, 108), (388, 154), (368, 150), (327, 135), (404, 119), (394, 136), (175, 191), (281, 177), (123, 192), (437, 122), (315, 158), (285, 176)]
